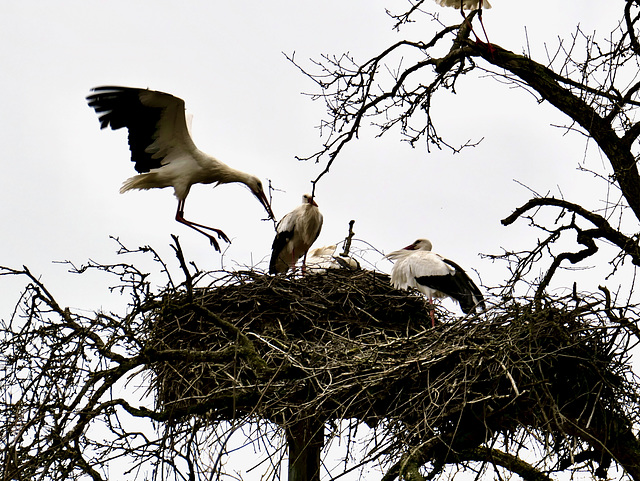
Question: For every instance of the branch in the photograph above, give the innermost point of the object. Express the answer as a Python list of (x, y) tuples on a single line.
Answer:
[(602, 111), (183, 265), (546, 82), (348, 239), (603, 228), (507, 461), (631, 26), (245, 346)]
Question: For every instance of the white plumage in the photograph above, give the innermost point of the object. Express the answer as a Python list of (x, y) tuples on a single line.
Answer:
[(464, 4), (322, 258), (162, 148), (295, 233), (433, 275), (470, 5), (412, 264)]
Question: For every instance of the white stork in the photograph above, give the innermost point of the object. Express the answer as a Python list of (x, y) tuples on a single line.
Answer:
[(464, 4), (322, 258), (433, 275), (163, 150), (295, 233), (469, 5)]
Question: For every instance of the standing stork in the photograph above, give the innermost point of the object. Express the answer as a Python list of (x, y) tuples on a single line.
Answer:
[(433, 275), (295, 233), (469, 5), (162, 148), (464, 4)]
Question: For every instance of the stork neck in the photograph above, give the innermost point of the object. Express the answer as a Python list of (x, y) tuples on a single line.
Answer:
[(234, 175), (225, 174)]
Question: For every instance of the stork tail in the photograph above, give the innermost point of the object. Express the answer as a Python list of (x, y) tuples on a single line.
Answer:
[(144, 181)]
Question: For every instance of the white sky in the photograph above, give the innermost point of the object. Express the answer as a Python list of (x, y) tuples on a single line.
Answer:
[(61, 173)]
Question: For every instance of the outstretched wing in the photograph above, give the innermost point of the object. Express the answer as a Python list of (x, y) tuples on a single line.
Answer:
[(155, 120)]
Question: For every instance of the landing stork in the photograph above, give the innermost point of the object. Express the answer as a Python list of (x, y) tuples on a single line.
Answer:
[(434, 276), (162, 148), (295, 233)]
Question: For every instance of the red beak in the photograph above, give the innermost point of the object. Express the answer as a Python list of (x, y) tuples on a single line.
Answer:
[(263, 200)]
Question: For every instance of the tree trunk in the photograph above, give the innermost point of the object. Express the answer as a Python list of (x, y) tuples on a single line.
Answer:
[(305, 440)]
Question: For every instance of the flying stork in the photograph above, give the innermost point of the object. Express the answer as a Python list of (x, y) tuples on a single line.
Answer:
[(295, 233), (162, 148), (434, 276)]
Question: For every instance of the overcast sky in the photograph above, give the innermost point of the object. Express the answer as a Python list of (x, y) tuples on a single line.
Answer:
[(61, 173)]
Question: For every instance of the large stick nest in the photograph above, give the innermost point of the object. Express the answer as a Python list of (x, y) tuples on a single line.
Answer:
[(345, 345)]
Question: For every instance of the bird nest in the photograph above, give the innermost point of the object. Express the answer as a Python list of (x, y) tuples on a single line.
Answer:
[(274, 337), (345, 345)]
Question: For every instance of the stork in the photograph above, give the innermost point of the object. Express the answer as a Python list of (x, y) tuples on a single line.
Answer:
[(469, 5), (162, 148), (322, 258), (434, 276), (295, 233), (464, 4)]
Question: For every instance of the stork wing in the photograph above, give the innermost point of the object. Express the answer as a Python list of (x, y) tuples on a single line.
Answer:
[(458, 285), (427, 263), (155, 120), (287, 223), (284, 233), (279, 243), (412, 265), (320, 220), (325, 251)]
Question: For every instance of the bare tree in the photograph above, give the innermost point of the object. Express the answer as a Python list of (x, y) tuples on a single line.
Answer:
[(595, 83), (532, 387), (156, 392)]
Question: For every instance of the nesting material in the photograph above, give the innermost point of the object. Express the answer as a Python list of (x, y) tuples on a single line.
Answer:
[(293, 324), (346, 344)]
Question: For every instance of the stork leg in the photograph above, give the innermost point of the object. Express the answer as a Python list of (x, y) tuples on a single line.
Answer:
[(198, 227), (481, 24), (484, 31), (433, 320)]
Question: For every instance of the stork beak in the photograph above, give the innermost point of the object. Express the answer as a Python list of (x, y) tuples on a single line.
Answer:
[(312, 202), (410, 247), (263, 200)]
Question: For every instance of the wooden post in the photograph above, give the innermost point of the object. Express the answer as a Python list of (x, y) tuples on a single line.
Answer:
[(305, 440)]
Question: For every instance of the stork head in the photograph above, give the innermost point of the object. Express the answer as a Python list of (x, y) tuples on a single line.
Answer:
[(255, 185), (308, 199), (420, 245)]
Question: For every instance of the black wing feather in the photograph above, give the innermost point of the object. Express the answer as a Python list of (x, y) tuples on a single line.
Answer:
[(120, 107), (279, 243), (459, 286)]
